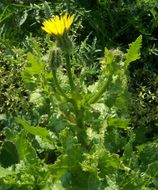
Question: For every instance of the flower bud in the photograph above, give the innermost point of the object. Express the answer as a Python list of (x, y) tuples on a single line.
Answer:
[(54, 58), (65, 44)]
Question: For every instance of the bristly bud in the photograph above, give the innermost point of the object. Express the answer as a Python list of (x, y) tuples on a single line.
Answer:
[(65, 44), (55, 58)]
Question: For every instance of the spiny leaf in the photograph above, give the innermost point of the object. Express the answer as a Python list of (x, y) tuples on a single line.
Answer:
[(25, 149), (133, 52)]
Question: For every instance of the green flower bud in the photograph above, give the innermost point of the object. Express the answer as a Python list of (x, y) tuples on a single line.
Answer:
[(65, 44), (55, 56)]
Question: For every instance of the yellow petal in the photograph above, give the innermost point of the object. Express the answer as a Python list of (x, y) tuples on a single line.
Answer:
[(58, 25)]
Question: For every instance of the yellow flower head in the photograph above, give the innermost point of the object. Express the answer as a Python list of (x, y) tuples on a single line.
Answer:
[(58, 25)]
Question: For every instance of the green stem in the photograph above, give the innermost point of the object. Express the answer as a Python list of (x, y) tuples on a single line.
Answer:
[(97, 95), (68, 68), (81, 131), (58, 85), (77, 110), (79, 115)]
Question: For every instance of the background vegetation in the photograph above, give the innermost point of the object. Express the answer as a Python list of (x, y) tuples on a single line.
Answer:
[(127, 157)]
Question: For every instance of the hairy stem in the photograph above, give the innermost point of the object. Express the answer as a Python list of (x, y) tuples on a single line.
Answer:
[(101, 90), (68, 68), (58, 85)]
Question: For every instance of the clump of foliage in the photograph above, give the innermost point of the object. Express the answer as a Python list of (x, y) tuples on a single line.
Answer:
[(14, 97), (144, 98), (116, 23), (79, 122), (76, 125)]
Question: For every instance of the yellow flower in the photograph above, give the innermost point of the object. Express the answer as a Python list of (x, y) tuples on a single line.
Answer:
[(58, 25)]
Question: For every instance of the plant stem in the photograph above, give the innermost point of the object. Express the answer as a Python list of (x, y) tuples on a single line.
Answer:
[(98, 94), (78, 110), (58, 85), (68, 68), (79, 114)]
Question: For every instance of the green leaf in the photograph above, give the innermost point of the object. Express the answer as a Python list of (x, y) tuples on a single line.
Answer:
[(128, 150), (3, 117), (5, 172), (70, 147), (133, 52), (23, 18), (36, 67), (152, 169), (118, 122), (48, 138), (25, 149), (42, 132), (8, 154), (57, 185), (108, 162), (108, 56), (37, 98), (47, 10), (112, 185)]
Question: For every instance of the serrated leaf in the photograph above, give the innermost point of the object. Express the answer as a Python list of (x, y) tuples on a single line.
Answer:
[(108, 56), (35, 67), (108, 161), (25, 149), (133, 53)]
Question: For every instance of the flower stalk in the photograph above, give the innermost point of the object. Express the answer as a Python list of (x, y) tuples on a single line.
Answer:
[(69, 73), (58, 85), (58, 27), (101, 90)]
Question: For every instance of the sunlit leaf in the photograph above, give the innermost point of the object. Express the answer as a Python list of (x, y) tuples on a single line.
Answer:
[(133, 52), (42, 132), (5, 172)]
